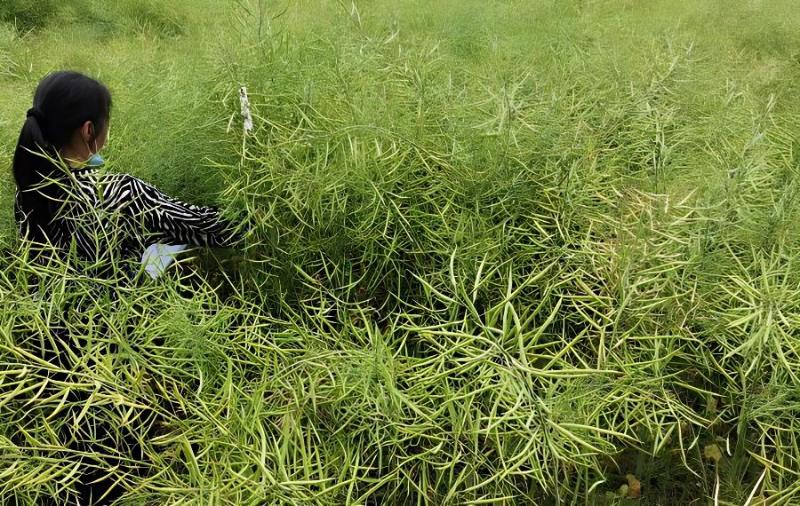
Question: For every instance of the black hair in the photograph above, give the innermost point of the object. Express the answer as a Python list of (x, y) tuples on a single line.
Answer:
[(63, 102)]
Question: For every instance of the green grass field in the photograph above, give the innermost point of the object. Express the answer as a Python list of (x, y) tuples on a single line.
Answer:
[(510, 252)]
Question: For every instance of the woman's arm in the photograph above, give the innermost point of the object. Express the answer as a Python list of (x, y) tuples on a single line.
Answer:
[(166, 218)]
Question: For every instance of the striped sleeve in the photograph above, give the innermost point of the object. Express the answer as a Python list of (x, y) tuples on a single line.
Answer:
[(166, 218)]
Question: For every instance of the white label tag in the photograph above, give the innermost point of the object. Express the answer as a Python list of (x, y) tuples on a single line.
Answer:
[(245, 102)]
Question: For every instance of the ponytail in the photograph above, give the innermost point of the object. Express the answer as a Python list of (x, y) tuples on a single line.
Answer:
[(30, 166)]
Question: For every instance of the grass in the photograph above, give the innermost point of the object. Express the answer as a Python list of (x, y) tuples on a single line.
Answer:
[(498, 253)]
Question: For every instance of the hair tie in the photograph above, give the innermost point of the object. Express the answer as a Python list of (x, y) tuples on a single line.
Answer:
[(33, 112)]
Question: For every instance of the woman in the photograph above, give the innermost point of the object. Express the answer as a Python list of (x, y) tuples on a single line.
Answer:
[(65, 204), (64, 200)]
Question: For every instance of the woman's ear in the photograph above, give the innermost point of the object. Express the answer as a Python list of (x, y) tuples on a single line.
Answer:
[(87, 132)]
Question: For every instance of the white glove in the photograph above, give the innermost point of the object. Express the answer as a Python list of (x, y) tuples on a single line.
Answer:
[(157, 257)]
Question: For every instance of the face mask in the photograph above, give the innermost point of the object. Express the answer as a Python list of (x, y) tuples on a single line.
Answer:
[(95, 161)]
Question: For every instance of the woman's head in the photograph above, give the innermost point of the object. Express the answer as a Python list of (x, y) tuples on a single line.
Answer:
[(69, 118)]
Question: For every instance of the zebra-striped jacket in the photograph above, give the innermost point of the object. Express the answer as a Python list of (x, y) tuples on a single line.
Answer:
[(100, 213)]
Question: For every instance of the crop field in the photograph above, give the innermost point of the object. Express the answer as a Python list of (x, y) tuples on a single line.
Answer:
[(497, 252)]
